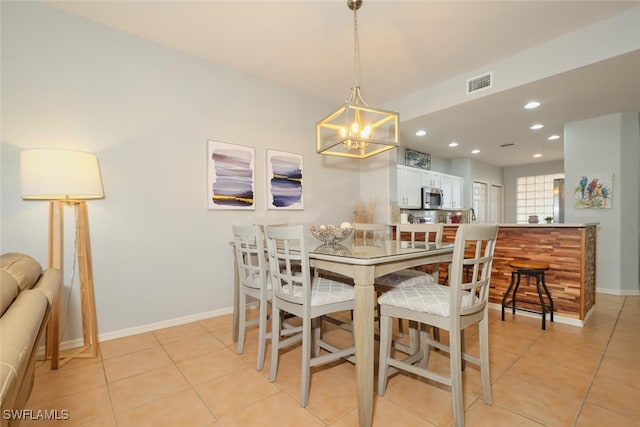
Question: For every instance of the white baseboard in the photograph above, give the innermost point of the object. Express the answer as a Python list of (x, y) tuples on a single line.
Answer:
[(76, 343), (618, 292)]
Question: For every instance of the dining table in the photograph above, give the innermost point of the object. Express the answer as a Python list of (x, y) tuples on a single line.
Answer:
[(363, 264)]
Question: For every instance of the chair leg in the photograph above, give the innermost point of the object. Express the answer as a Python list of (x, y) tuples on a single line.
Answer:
[(546, 290), (543, 306), (242, 321), (436, 334), (515, 292), (508, 292), (414, 330), (306, 362), (455, 358), (424, 346), (316, 328), (463, 363), (385, 352), (275, 340), (262, 332), (483, 329)]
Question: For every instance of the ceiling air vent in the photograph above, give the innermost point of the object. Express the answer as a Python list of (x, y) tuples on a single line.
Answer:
[(507, 145), (478, 83)]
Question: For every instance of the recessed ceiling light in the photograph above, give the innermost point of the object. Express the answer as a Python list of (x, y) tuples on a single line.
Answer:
[(531, 105), (553, 137), (537, 155), (475, 151), (453, 144), (421, 132), (537, 126)]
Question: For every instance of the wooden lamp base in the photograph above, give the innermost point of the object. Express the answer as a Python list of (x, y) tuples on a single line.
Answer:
[(87, 299)]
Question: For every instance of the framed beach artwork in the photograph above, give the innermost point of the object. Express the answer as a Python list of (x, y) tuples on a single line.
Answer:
[(230, 176), (594, 191), (417, 159), (284, 180)]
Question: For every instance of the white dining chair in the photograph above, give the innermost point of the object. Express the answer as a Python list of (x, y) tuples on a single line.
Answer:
[(296, 292), (452, 308), (254, 282), (429, 233)]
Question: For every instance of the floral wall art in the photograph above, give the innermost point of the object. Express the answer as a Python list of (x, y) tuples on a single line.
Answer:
[(284, 180), (230, 176), (594, 191)]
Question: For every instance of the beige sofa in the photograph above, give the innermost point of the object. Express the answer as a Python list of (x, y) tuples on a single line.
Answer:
[(27, 295)]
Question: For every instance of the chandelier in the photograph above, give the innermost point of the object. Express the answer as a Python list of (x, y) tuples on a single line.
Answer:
[(355, 129)]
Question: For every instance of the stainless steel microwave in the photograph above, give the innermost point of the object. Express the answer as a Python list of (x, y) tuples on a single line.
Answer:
[(431, 198)]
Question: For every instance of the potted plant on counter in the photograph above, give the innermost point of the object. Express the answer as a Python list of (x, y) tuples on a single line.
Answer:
[(549, 219)]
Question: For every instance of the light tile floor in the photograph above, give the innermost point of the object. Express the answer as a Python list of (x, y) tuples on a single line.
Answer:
[(190, 375)]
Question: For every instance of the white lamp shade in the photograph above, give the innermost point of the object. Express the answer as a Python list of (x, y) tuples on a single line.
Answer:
[(49, 174)]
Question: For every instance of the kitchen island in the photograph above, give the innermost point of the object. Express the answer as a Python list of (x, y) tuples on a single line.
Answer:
[(570, 250)]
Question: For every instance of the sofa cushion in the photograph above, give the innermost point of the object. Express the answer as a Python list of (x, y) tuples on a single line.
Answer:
[(24, 269)]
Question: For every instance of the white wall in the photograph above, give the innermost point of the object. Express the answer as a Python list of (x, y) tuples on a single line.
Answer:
[(609, 144), (630, 173), (147, 111)]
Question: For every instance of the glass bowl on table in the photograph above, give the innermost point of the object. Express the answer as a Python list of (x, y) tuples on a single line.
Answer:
[(330, 234)]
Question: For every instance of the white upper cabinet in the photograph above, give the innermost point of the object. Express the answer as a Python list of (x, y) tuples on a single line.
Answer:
[(456, 192), (409, 187), (431, 179), (452, 191), (410, 183)]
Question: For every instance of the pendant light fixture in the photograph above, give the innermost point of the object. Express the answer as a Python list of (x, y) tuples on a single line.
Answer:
[(355, 129)]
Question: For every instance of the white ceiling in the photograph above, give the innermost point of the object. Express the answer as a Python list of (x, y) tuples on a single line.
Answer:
[(405, 46)]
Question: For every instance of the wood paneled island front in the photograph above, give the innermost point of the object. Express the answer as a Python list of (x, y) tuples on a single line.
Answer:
[(570, 250)]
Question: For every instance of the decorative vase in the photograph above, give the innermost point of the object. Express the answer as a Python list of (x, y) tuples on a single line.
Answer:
[(533, 219)]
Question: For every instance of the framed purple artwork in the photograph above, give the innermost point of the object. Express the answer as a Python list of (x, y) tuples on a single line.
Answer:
[(284, 180), (230, 176)]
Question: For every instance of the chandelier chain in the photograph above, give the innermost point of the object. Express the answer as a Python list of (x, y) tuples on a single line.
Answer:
[(356, 48)]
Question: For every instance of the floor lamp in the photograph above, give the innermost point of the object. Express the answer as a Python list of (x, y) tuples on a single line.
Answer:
[(66, 178)]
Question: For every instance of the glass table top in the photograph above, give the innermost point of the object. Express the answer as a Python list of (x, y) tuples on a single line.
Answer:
[(382, 249)]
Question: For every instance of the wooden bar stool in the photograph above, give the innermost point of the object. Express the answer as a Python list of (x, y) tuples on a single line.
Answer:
[(528, 269)]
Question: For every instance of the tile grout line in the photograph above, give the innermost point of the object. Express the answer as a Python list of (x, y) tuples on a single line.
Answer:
[(595, 373)]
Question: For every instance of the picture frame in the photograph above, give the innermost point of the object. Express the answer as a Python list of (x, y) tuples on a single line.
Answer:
[(416, 159), (230, 176), (284, 180), (594, 191)]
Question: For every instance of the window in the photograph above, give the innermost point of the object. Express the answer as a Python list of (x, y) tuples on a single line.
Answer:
[(534, 196)]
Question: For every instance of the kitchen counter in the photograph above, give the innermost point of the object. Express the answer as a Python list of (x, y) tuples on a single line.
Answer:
[(570, 250)]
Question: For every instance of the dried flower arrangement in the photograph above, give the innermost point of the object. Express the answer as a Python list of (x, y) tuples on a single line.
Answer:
[(364, 212)]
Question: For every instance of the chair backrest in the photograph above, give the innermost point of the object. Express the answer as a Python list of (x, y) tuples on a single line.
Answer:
[(473, 246), (250, 256), (289, 263), (368, 234), (431, 232)]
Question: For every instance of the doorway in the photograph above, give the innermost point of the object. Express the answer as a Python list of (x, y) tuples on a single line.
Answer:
[(496, 203), (479, 200)]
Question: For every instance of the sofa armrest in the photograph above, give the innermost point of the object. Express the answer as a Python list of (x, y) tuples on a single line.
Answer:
[(49, 284), (21, 327)]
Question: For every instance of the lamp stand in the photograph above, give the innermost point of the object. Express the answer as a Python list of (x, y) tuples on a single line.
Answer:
[(87, 298)]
